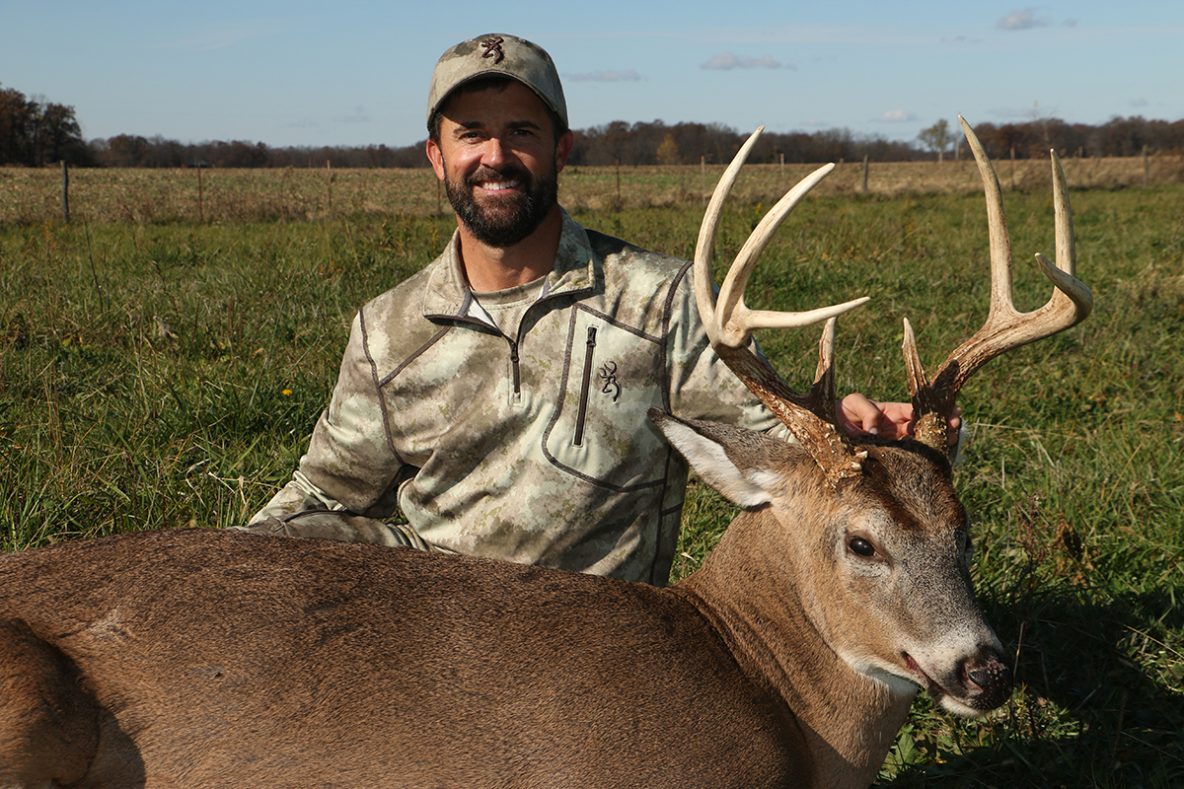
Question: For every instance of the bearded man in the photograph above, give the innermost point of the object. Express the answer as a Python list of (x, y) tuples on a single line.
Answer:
[(497, 399)]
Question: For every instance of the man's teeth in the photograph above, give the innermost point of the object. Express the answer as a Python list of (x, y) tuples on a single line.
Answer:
[(497, 186)]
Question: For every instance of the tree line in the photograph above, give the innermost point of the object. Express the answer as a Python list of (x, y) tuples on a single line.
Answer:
[(35, 132)]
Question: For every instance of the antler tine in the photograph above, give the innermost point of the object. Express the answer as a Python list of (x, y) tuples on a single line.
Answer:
[(823, 390), (737, 319), (729, 327), (1005, 328), (704, 298), (728, 320)]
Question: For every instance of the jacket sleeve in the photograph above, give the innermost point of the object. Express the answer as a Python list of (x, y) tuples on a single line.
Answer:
[(701, 386), (351, 463)]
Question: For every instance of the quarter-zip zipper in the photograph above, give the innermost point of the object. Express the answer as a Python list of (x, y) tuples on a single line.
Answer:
[(515, 357), (583, 412), (516, 342)]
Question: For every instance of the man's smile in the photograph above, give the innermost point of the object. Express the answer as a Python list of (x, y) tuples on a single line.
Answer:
[(499, 186)]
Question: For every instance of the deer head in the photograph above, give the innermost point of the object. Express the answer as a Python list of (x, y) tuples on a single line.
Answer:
[(873, 536)]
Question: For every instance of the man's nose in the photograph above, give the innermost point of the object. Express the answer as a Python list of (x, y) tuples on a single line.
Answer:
[(496, 152)]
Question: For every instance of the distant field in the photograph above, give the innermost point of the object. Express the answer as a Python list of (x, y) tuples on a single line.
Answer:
[(142, 195), (158, 371)]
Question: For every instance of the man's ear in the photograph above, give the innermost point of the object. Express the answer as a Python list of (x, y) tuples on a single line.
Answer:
[(435, 156), (563, 150)]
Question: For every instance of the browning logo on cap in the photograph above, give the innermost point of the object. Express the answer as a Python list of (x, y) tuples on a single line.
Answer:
[(493, 49)]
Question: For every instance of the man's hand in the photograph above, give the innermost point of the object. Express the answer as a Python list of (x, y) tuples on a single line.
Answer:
[(858, 414)]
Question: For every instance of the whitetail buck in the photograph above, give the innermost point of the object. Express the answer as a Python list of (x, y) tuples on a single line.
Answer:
[(205, 658)]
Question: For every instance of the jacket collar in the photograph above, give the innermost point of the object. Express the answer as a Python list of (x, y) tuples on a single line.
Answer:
[(575, 269)]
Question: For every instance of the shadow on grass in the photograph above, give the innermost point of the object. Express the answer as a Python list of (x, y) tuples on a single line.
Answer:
[(1099, 698)]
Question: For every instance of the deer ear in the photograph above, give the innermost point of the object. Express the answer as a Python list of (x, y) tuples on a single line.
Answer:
[(730, 459)]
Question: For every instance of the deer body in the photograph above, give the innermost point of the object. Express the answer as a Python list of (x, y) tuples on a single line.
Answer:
[(342, 665), (199, 658), (330, 664)]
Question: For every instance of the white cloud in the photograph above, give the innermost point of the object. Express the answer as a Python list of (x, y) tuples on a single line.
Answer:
[(1023, 19), (726, 61), (897, 116), (624, 75)]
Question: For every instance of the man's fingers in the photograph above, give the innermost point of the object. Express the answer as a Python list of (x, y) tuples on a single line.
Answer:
[(955, 423), (859, 414)]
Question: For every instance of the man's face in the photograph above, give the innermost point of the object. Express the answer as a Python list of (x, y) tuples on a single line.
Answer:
[(499, 161)]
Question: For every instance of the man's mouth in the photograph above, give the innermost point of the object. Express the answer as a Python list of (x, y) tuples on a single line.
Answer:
[(499, 186)]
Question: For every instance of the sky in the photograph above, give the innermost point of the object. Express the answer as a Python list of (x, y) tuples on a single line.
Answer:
[(356, 73)]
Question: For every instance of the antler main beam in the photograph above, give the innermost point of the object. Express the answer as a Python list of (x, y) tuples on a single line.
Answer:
[(729, 325), (1005, 327)]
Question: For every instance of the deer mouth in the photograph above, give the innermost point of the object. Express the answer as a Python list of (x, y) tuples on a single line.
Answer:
[(921, 678), (982, 684)]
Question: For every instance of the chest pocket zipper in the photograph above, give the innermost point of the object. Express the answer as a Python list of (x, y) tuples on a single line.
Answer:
[(517, 374), (584, 385)]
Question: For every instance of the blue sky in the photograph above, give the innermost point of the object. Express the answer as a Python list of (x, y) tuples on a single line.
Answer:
[(351, 72)]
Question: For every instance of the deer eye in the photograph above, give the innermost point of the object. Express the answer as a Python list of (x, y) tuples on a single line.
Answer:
[(861, 547)]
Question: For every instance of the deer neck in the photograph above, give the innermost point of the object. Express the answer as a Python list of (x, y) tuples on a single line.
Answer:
[(753, 598)]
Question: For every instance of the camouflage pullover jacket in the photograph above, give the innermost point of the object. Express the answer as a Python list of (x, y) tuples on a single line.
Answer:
[(528, 442)]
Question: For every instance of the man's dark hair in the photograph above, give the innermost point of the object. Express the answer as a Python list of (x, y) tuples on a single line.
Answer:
[(489, 83)]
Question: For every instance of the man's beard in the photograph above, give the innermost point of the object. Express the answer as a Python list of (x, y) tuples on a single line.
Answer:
[(509, 221)]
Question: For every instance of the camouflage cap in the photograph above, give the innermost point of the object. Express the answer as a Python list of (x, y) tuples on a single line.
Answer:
[(498, 54)]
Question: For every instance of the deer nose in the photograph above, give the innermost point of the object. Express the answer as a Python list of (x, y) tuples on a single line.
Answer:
[(987, 679)]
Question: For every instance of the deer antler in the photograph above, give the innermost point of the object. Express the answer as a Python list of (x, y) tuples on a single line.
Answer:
[(1005, 327), (729, 324)]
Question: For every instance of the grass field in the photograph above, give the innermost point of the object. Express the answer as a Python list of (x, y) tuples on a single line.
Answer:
[(158, 371)]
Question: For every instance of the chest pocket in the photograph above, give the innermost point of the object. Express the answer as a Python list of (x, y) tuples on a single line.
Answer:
[(600, 432)]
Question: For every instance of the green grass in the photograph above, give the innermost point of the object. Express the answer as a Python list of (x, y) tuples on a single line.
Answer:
[(159, 375)]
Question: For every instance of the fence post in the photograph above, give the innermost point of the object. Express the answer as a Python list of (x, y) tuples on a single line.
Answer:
[(1146, 168), (201, 208), (65, 192), (864, 188), (329, 186)]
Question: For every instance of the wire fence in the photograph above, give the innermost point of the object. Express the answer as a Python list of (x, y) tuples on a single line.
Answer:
[(29, 196)]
